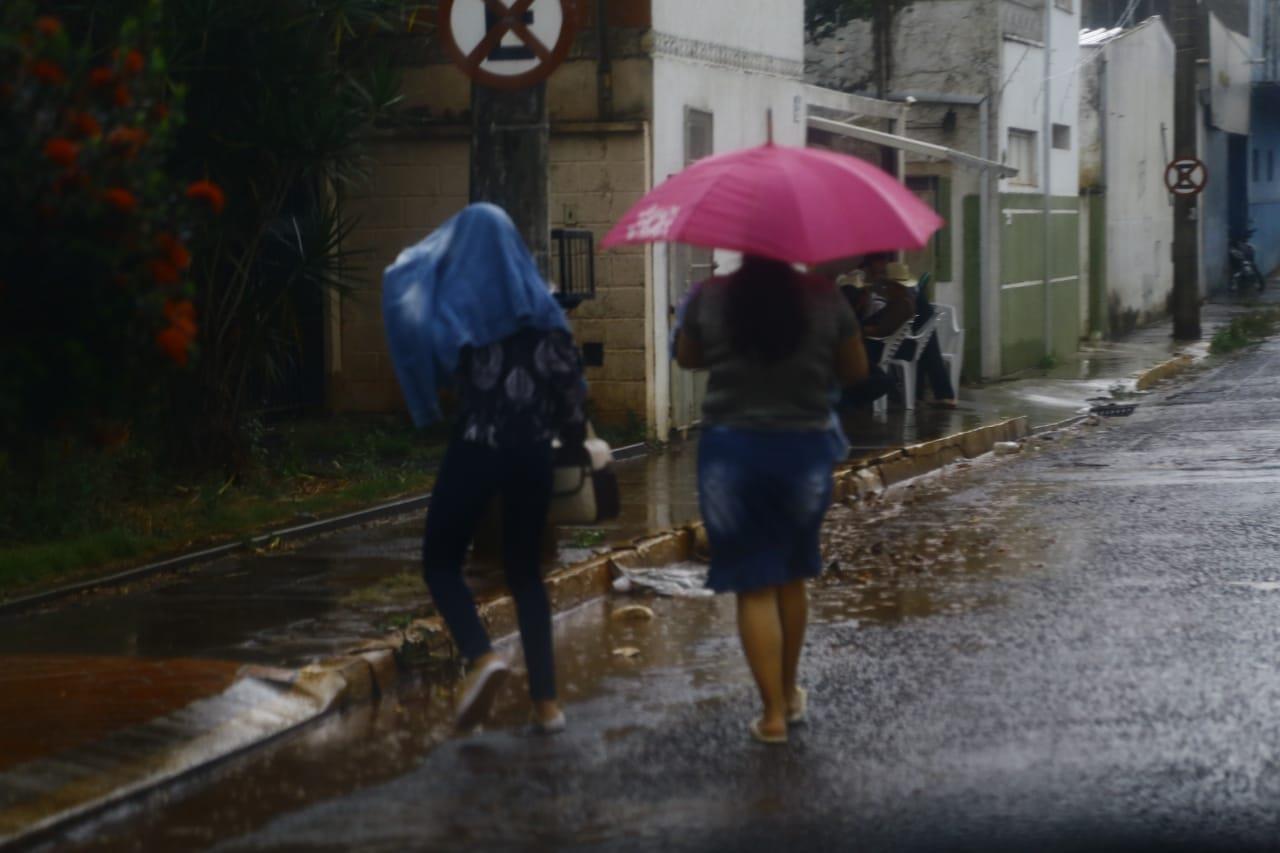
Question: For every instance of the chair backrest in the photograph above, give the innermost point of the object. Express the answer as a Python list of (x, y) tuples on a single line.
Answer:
[(892, 342), (920, 338), (948, 329)]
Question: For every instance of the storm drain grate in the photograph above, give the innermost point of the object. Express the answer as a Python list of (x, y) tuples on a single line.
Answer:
[(1115, 410)]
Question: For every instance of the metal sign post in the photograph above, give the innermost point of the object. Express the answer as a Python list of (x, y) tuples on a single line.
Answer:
[(509, 48), (1185, 303)]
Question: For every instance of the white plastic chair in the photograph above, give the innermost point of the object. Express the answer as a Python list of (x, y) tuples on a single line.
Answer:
[(891, 345), (906, 367), (951, 342)]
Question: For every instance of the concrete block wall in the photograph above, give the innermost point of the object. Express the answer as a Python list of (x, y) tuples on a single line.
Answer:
[(595, 178), (416, 184)]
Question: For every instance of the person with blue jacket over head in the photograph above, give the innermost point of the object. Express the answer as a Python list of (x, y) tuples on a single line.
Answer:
[(467, 307)]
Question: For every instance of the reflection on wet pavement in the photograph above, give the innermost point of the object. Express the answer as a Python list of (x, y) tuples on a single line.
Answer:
[(891, 561)]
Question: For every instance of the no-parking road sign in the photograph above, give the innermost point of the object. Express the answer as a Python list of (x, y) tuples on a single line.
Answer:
[(1186, 176), (507, 44)]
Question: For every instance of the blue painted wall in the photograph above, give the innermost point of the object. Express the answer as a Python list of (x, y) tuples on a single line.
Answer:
[(1215, 209), (1264, 176)]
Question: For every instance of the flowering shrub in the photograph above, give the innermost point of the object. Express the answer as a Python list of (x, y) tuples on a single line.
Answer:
[(95, 294)]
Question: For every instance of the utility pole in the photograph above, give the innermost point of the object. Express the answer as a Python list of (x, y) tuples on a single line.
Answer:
[(510, 144), (1046, 146), (1186, 252)]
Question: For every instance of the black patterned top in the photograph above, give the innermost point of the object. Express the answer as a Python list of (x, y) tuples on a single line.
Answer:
[(524, 389)]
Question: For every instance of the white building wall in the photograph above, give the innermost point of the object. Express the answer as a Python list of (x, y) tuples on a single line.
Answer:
[(735, 59), (1021, 104), (1089, 127), (1138, 131), (1230, 86), (771, 27)]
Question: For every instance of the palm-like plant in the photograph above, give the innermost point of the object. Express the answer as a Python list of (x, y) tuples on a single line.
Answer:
[(279, 96)]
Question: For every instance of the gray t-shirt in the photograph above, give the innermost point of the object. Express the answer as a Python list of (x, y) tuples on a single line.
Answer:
[(794, 393)]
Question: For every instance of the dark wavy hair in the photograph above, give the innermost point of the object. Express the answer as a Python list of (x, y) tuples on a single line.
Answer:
[(764, 309)]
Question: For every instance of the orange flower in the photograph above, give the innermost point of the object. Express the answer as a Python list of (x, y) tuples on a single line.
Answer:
[(48, 72), (182, 316), (85, 126), (207, 192), (122, 97), (61, 152), (101, 78), (175, 344), (163, 272), (133, 62), (127, 140), (180, 256), (48, 26), (177, 253), (122, 200)]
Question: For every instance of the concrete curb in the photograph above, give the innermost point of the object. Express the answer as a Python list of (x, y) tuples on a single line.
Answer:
[(392, 509), (1151, 377), (74, 786)]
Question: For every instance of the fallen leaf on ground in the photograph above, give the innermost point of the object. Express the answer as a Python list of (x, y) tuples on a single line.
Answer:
[(636, 612)]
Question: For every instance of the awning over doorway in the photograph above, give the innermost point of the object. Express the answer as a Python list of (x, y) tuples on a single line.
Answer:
[(914, 146)]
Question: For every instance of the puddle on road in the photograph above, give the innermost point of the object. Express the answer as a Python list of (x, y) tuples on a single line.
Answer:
[(1258, 586), (891, 562)]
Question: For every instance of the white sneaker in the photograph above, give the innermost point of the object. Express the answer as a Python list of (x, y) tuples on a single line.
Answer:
[(553, 726), (478, 693)]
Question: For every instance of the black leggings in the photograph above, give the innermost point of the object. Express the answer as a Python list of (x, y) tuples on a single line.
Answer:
[(470, 476)]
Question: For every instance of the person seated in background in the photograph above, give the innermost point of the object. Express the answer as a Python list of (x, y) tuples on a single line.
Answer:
[(888, 300), (883, 305), (931, 363)]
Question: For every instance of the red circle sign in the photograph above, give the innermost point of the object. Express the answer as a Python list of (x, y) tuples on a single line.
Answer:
[(507, 44), (1186, 176)]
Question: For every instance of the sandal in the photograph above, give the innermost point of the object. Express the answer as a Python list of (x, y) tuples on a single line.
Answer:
[(479, 693), (762, 737), (798, 711)]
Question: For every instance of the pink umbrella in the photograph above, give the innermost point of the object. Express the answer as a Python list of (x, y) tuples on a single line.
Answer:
[(804, 205)]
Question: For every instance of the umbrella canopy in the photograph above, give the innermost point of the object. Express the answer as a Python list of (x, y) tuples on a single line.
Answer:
[(803, 205)]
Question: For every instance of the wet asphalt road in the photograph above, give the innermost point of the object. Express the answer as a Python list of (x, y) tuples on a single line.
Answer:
[(1073, 649)]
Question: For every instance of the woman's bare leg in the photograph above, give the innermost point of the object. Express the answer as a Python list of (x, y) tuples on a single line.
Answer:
[(761, 632), (793, 613)]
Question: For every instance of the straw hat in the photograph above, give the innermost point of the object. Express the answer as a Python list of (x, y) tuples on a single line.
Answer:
[(899, 272)]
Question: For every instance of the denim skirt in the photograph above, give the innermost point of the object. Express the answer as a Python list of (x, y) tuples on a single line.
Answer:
[(763, 495)]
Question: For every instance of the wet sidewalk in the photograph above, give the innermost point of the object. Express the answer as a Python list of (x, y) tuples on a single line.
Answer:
[(148, 652)]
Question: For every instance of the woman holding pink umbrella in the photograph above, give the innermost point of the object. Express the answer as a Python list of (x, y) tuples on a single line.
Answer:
[(778, 343)]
